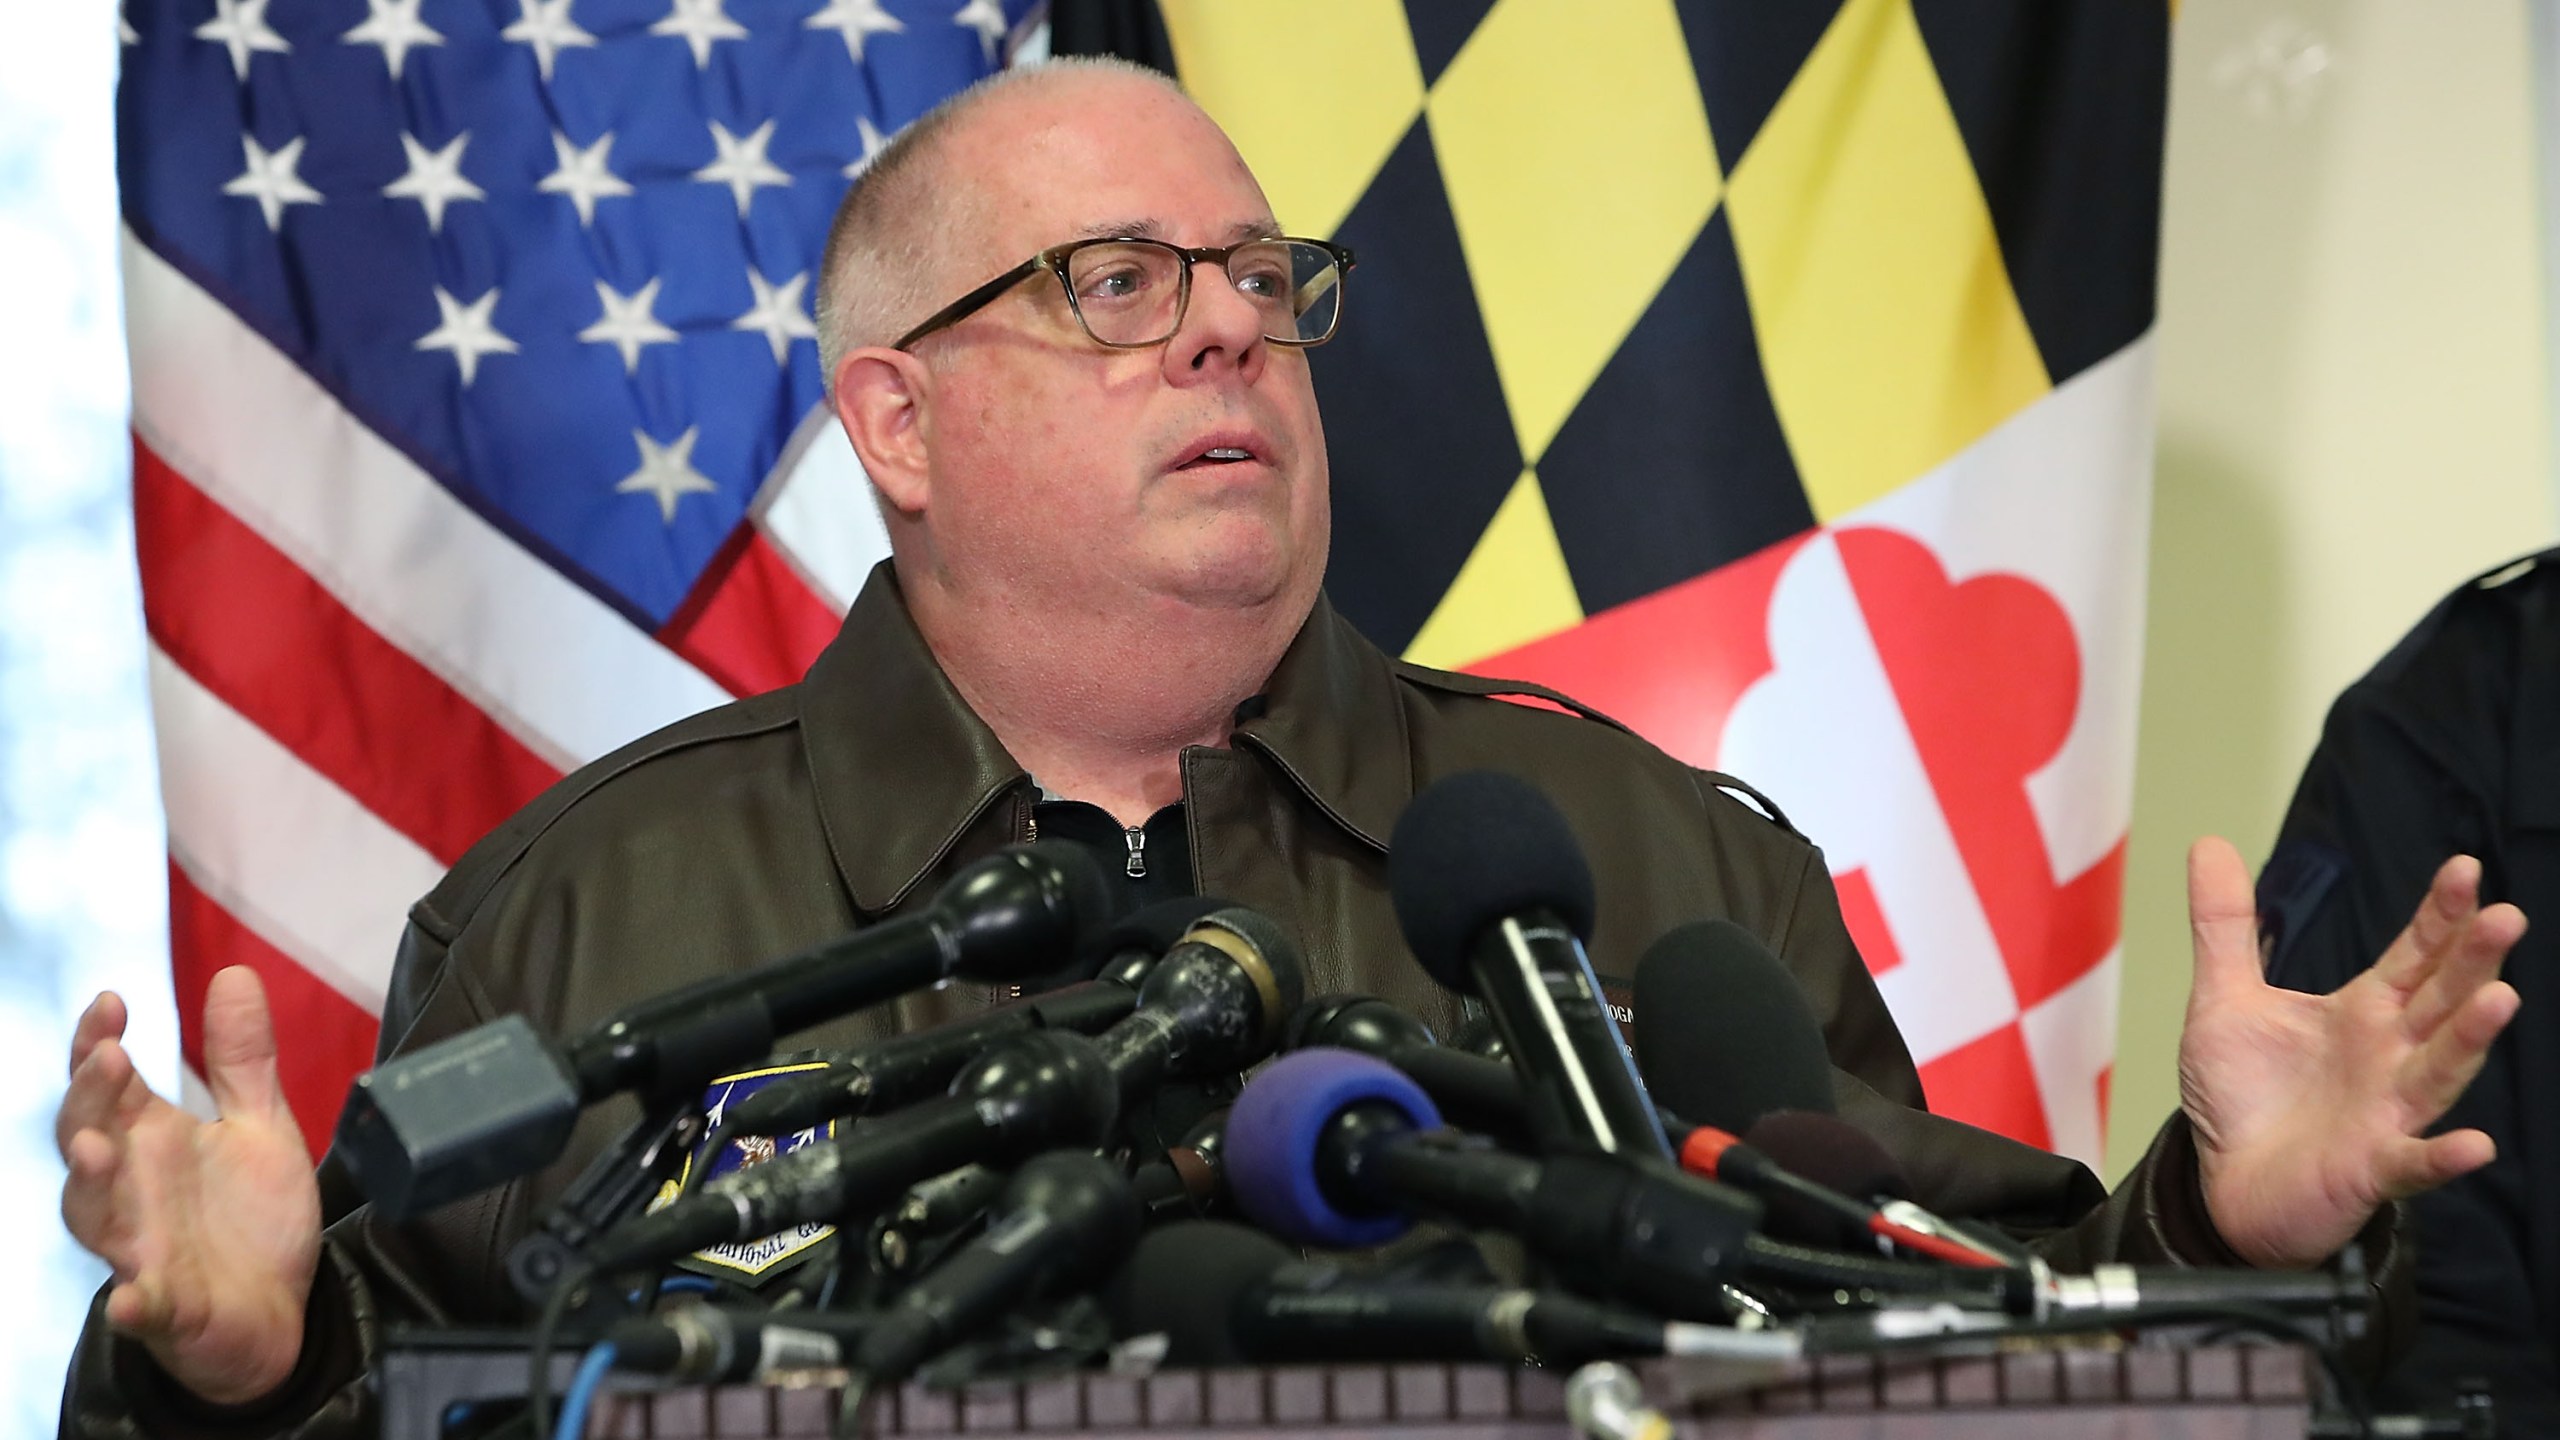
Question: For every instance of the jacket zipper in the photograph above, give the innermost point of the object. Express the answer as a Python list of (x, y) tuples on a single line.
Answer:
[(1137, 839)]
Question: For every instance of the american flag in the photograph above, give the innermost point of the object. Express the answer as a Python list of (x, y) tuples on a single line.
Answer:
[(477, 423)]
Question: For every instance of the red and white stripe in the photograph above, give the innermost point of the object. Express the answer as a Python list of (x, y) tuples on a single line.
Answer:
[(356, 676)]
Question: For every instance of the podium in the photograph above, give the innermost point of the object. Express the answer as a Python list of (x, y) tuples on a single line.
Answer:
[(2211, 1392)]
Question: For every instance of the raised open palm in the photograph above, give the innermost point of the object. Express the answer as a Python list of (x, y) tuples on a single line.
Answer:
[(213, 1229), (2311, 1111)]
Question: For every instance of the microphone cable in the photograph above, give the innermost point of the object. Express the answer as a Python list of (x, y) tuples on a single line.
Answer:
[(582, 1391)]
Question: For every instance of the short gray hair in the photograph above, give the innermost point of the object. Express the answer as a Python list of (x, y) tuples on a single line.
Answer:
[(900, 215)]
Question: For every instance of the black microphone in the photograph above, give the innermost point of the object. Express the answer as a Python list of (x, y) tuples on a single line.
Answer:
[(1191, 1177), (499, 1100), (719, 1344), (1183, 1281), (1723, 1031), (1473, 1092), (1063, 1222), (1333, 1148), (932, 1209), (1477, 1036), (1494, 896), (1342, 1150), (1222, 1294), (1835, 1202), (1798, 1208), (906, 1068), (1125, 951), (1830, 1152), (1214, 1003)]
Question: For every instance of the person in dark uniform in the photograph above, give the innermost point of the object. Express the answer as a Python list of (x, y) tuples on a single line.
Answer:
[(2452, 745)]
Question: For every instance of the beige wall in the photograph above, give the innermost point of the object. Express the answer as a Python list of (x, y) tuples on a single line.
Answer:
[(2352, 413)]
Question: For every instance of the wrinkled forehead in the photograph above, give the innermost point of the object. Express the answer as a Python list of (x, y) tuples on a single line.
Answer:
[(1096, 156)]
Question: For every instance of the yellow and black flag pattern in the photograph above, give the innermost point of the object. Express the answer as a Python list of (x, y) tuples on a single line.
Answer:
[(1773, 374)]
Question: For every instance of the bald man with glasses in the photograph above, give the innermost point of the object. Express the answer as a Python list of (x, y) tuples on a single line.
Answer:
[(1105, 486)]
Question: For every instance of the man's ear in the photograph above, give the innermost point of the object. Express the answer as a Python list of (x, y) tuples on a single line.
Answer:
[(880, 399)]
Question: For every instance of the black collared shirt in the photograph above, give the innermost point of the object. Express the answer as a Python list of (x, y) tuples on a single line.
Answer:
[(1145, 863)]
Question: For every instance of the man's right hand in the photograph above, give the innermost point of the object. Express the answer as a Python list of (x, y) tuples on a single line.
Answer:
[(213, 1230)]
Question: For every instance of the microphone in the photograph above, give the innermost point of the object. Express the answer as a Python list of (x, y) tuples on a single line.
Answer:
[(1726, 1036), (1129, 948), (930, 1209), (1191, 1178), (1473, 1092), (1330, 1148), (499, 1100), (905, 1068), (1063, 1222), (1723, 1030), (1484, 1096), (1337, 1149), (1832, 1153), (1606, 1402), (1183, 1282), (1798, 1209), (2148, 1293), (1476, 1036), (1222, 1294), (719, 1345), (1214, 1003), (1494, 897)]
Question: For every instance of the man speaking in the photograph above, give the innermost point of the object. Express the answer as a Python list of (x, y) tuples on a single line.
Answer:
[(1068, 339)]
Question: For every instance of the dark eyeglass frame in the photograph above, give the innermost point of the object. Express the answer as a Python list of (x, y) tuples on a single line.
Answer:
[(1054, 260)]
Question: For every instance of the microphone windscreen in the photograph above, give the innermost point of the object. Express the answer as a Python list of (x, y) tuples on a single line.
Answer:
[(1183, 1281), (1354, 1022), (1152, 929), (1478, 1035), (1830, 1152), (1019, 914), (1275, 1133), (1090, 896), (1472, 849), (1280, 962), (1723, 1033)]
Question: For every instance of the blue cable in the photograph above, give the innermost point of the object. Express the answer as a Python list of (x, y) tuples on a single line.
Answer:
[(582, 1392), (679, 1283)]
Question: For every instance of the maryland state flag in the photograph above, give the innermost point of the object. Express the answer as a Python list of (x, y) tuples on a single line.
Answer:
[(1775, 377)]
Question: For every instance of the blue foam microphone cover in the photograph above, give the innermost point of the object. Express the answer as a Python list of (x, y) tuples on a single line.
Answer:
[(1277, 1125)]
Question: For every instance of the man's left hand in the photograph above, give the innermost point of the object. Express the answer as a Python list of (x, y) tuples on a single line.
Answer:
[(2311, 1111)]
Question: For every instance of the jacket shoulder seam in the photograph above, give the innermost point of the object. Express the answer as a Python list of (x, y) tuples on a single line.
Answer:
[(1486, 687), (478, 876)]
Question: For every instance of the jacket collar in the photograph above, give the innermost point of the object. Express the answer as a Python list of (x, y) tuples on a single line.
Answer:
[(901, 765), (903, 768), (1334, 723)]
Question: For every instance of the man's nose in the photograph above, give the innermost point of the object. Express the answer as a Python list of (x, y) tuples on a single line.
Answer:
[(1219, 325)]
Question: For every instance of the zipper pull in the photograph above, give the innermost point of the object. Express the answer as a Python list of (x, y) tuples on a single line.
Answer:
[(1137, 839)]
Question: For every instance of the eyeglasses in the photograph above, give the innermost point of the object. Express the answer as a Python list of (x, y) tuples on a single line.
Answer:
[(1130, 294)]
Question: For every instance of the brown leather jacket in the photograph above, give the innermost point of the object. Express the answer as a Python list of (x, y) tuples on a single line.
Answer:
[(765, 826)]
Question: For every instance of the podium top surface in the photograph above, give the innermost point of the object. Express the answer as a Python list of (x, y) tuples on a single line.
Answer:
[(2250, 1390)]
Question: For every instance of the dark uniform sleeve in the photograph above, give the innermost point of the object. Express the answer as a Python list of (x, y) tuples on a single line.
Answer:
[(2451, 746)]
